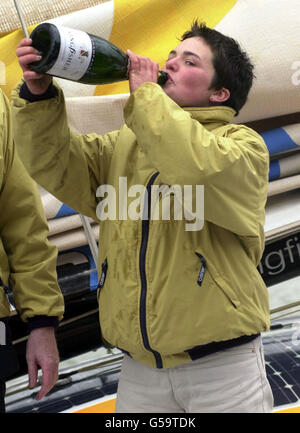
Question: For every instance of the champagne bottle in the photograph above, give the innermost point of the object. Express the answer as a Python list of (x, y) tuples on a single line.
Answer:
[(79, 56)]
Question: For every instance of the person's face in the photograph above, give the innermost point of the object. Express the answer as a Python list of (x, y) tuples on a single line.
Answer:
[(190, 71)]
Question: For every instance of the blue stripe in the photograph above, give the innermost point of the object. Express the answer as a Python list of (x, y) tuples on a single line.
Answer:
[(274, 172), (278, 140), (65, 211)]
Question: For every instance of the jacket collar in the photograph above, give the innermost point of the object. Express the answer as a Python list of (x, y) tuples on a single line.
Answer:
[(211, 117)]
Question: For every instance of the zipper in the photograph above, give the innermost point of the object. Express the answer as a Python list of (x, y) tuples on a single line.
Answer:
[(142, 262)]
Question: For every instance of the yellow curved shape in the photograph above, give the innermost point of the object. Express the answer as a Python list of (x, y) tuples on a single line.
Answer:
[(13, 72), (150, 27)]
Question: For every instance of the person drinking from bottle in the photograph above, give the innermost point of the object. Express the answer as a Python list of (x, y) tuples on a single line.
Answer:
[(181, 298)]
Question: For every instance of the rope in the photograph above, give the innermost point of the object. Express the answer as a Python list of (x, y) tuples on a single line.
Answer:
[(285, 307)]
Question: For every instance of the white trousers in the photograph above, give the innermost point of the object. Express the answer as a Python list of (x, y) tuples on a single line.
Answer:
[(232, 380)]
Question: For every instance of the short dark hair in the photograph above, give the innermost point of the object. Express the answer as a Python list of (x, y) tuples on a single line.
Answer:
[(233, 68)]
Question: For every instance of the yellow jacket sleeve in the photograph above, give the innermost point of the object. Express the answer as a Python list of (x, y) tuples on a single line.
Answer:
[(23, 230), (71, 166)]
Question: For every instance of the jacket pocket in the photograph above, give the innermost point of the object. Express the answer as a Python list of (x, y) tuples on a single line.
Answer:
[(228, 291), (104, 268), (219, 282), (202, 269)]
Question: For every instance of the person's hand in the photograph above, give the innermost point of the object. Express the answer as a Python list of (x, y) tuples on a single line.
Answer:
[(41, 351), (36, 83), (141, 70)]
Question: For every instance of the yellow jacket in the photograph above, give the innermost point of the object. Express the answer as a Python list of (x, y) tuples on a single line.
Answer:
[(27, 260), (164, 290)]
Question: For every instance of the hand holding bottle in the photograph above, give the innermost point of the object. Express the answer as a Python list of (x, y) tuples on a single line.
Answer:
[(37, 83), (141, 70)]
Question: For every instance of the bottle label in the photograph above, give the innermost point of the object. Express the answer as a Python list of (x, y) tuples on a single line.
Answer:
[(74, 56)]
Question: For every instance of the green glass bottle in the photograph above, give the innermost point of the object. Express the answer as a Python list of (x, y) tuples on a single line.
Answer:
[(79, 56)]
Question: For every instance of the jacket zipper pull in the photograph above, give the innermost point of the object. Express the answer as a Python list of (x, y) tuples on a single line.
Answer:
[(8, 295), (103, 274), (202, 270)]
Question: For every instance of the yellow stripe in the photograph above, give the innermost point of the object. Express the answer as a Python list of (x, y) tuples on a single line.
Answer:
[(107, 406), (151, 27), (295, 409)]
